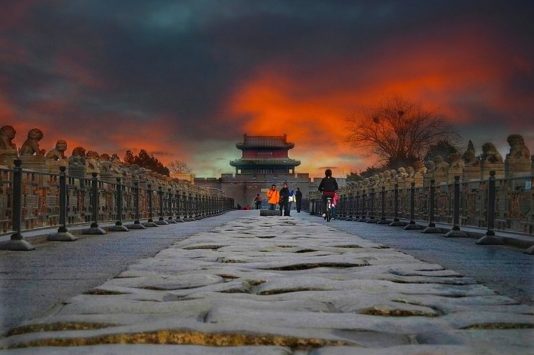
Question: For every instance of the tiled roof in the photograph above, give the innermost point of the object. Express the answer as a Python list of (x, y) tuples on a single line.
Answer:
[(265, 141), (252, 162)]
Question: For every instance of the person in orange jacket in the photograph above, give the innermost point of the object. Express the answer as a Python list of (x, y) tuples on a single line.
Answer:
[(273, 197)]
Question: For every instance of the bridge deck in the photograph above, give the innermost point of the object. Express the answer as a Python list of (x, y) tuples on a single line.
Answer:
[(277, 285)]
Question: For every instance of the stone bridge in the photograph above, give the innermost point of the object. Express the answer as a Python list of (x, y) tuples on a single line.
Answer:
[(280, 285), (259, 285)]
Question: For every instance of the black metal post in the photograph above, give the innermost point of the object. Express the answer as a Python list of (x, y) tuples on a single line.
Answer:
[(62, 232), (119, 227), (150, 222), (383, 219), (357, 207), (94, 228), (455, 231), (170, 207), (137, 223), (412, 225), (17, 241), (371, 210), (396, 221), (161, 220), (490, 237), (431, 225), (363, 213)]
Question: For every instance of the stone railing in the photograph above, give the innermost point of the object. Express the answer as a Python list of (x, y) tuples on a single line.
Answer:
[(482, 191), (38, 191)]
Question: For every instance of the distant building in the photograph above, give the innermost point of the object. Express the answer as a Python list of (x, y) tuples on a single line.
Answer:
[(265, 155), (264, 161)]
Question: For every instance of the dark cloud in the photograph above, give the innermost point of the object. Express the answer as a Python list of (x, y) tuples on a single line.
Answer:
[(90, 68)]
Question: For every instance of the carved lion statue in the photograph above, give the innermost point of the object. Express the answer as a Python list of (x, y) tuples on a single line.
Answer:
[(31, 146), (78, 152), (58, 153), (490, 154), (402, 173), (518, 149), (456, 161), (469, 156), (78, 157), (7, 134)]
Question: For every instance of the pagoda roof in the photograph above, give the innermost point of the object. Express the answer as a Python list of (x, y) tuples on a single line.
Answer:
[(265, 142), (264, 162)]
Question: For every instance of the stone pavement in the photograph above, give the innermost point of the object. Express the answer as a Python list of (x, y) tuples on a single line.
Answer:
[(34, 283), (280, 285)]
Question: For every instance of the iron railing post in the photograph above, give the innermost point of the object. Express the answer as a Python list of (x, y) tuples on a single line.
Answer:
[(412, 225), (431, 228), (383, 219), (161, 220), (455, 231), (119, 227), (490, 237), (150, 222), (62, 233), (17, 241), (94, 228), (137, 223)]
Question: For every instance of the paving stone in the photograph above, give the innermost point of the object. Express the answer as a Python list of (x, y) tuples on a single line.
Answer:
[(274, 284)]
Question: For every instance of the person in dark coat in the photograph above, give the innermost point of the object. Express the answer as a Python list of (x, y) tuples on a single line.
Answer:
[(257, 201), (298, 199), (284, 199), (328, 187)]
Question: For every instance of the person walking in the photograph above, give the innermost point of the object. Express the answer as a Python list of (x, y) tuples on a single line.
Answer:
[(298, 199), (284, 199), (257, 201), (273, 197)]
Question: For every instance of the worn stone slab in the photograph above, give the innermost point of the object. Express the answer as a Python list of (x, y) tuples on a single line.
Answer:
[(282, 285)]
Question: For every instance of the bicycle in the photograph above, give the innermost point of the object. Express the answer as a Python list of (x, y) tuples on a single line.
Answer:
[(328, 212)]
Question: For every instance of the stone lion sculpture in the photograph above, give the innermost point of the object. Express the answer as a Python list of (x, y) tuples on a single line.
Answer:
[(7, 134), (518, 149), (456, 161), (430, 166), (58, 153), (402, 173), (78, 156), (31, 145), (490, 154), (469, 156), (78, 152)]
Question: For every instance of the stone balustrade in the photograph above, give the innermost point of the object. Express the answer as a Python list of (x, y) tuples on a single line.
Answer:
[(406, 193), (39, 190)]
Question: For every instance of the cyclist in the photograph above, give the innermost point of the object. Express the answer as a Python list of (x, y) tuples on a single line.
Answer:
[(328, 187)]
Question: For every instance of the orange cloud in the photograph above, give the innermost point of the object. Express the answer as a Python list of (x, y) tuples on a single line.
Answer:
[(444, 73)]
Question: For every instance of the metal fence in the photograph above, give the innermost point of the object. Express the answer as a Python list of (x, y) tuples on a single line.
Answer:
[(512, 198), (31, 200)]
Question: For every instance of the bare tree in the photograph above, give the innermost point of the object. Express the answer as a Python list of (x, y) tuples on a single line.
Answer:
[(179, 167), (399, 132)]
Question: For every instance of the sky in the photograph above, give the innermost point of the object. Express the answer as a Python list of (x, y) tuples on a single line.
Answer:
[(186, 79)]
